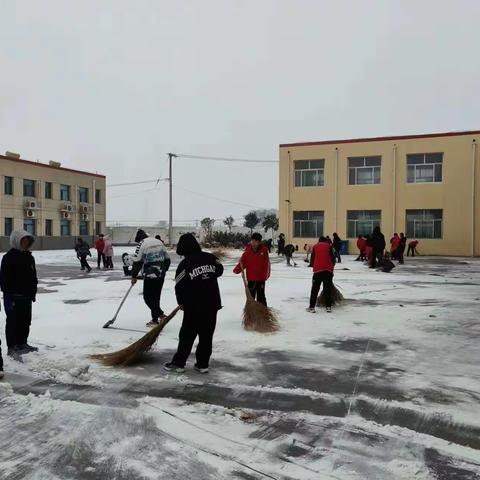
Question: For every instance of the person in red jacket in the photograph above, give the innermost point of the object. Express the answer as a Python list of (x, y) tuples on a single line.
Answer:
[(323, 261), (412, 247), (256, 263), (99, 247), (361, 245), (394, 244)]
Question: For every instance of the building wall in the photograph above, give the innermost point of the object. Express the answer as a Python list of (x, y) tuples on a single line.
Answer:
[(13, 206), (393, 196)]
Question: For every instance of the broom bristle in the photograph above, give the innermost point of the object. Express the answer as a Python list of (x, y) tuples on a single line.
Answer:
[(258, 317), (134, 352), (337, 297)]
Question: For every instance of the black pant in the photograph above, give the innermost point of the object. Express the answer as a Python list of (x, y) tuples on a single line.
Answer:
[(100, 258), (196, 323), (361, 256), (257, 289), (376, 255), (84, 263), (400, 254), (19, 318), (337, 255), (152, 291), (108, 262), (411, 249), (327, 279)]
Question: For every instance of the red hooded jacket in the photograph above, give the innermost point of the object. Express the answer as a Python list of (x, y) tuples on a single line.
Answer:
[(395, 243), (256, 264), (323, 258), (362, 244), (100, 245)]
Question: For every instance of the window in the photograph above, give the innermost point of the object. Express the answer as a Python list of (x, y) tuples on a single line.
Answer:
[(48, 190), (83, 228), (8, 227), (29, 225), (362, 222), (308, 224), (98, 196), (48, 227), (28, 188), (364, 170), (65, 230), (83, 194), (98, 228), (309, 173), (8, 185), (65, 193), (424, 167), (424, 223)]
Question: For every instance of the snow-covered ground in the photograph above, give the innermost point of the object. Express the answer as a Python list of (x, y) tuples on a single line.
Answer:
[(385, 387)]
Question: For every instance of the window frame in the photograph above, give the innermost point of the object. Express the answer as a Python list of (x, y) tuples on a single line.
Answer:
[(86, 191), (33, 222), (5, 226), (11, 185), (49, 231), (356, 221), (69, 190), (373, 169), (98, 196), (48, 190), (320, 171), (64, 222), (424, 164), (422, 222), (33, 185), (83, 223), (303, 221)]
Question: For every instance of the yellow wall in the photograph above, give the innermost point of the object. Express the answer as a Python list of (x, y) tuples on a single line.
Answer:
[(453, 195)]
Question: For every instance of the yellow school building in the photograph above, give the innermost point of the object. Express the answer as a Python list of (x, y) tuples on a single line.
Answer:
[(426, 186)]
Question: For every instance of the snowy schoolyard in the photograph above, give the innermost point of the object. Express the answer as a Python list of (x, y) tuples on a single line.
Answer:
[(385, 387)]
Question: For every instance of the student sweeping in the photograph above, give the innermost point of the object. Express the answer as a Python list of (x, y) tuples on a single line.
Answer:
[(323, 261), (198, 295), (256, 263), (152, 257), (18, 281)]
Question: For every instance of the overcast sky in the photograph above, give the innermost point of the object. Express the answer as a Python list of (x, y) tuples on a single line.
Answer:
[(112, 86)]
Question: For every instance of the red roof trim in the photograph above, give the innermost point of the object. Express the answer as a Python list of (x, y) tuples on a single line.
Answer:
[(380, 139), (45, 165)]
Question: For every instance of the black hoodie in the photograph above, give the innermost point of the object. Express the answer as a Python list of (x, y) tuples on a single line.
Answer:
[(196, 285)]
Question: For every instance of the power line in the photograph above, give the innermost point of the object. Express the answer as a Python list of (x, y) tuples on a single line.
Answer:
[(139, 182), (224, 159)]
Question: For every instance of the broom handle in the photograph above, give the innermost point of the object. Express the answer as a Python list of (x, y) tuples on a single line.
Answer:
[(121, 303)]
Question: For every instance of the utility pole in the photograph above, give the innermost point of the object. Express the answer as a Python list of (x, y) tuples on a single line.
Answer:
[(170, 200)]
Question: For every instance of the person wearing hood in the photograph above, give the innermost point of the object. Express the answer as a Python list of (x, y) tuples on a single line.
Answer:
[(198, 295), (256, 263), (151, 257), (108, 252), (83, 251), (18, 282)]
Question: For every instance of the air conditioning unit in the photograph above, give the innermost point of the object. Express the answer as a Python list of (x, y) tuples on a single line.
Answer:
[(31, 204), (29, 213), (84, 216), (66, 215), (68, 207), (84, 209)]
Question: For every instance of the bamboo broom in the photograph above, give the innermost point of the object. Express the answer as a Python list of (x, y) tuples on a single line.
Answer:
[(256, 316), (133, 353), (337, 297)]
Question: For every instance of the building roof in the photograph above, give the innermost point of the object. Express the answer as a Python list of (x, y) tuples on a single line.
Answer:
[(46, 165), (381, 139)]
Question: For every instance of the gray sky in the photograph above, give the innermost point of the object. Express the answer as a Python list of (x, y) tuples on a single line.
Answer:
[(111, 86)]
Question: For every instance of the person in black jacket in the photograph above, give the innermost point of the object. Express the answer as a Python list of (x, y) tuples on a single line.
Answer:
[(198, 295), (281, 244), (337, 245), (18, 281), (83, 251), (377, 242)]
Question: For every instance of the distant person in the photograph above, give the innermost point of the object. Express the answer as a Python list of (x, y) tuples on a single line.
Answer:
[(289, 250), (329, 240), (99, 246), (151, 257), (82, 248), (394, 244), (127, 264), (256, 263), (412, 247), (361, 245), (385, 265), (323, 261), (377, 242), (108, 252), (18, 282), (308, 251), (281, 244), (401, 248), (337, 245), (268, 244)]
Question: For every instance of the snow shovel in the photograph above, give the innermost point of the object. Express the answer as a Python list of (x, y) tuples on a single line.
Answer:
[(112, 321)]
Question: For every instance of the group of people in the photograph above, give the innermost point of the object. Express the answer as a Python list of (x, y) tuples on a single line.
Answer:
[(104, 248)]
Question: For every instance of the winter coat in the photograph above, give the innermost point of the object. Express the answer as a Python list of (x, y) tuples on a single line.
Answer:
[(402, 244), (18, 275), (281, 245), (337, 243), (82, 249), (256, 264), (413, 243), (377, 241), (323, 258), (196, 284), (394, 243), (361, 244), (100, 245), (152, 257), (289, 249), (108, 248)]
